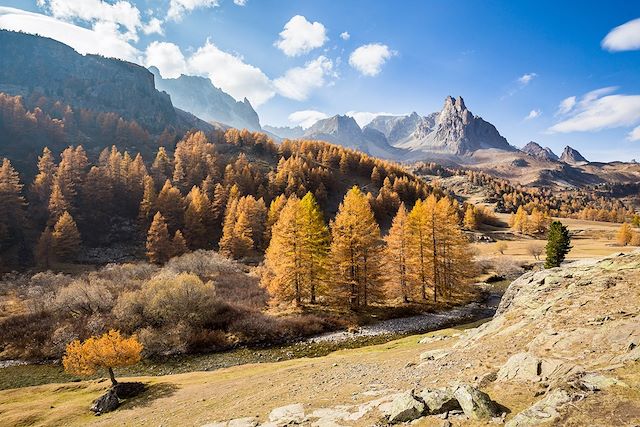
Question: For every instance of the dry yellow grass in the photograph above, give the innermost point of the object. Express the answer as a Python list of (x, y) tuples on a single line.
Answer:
[(591, 239), (197, 398)]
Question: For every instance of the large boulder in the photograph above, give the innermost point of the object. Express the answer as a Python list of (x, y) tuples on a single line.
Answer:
[(476, 404), (406, 408), (106, 403), (439, 400)]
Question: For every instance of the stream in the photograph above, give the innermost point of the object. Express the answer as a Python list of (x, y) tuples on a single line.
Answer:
[(14, 374)]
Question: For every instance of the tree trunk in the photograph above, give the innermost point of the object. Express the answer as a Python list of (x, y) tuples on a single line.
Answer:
[(113, 377)]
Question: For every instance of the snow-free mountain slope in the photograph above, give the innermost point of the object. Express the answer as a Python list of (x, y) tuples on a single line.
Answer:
[(201, 98), (343, 130), (572, 156), (542, 153)]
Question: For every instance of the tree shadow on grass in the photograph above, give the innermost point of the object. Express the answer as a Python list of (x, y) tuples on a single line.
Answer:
[(152, 392)]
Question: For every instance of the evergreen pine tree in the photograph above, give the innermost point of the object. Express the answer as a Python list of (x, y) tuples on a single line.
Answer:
[(558, 244)]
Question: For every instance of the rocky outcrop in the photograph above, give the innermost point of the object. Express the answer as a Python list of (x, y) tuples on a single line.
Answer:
[(541, 153), (200, 97), (32, 64), (106, 403), (572, 156)]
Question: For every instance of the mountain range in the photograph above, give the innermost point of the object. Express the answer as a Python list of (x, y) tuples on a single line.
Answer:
[(34, 67)]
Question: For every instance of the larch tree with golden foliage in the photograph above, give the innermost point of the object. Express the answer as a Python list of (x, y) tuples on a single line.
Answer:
[(454, 255), (471, 218), (159, 245), (625, 234), (315, 239), (420, 223), (171, 205), (108, 351), (12, 204), (356, 252), (284, 273), (397, 252), (196, 219), (65, 238), (178, 244)]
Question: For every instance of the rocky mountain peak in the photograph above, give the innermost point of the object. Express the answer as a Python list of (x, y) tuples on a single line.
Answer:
[(572, 156), (542, 153), (199, 96)]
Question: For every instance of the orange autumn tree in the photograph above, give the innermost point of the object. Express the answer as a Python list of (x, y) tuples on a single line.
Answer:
[(107, 351)]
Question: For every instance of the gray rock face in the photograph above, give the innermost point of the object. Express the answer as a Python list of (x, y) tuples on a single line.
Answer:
[(454, 130), (343, 130), (106, 403), (32, 63), (541, 153), (572, 156), (406, 408), (458, 131), (476, 404), (199, 96)]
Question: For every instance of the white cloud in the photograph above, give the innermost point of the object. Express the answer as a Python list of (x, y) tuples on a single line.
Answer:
[(153, 26), (177, 8), (533, 114), (167, 57), (363, 118), (566, 105), (599, 109), (230, 73), (369, 58), (306, 118), (345, 35), (121, 13), (240, 2), (623, 37), (525, 79), (301, 36), (634, 135), (297, 83), (103, 39)]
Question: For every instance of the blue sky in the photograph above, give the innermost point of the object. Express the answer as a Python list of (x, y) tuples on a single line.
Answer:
[(513, 62)]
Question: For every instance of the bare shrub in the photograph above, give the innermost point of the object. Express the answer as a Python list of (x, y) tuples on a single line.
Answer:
[(207, 265), (85, 297), (535, 249), (165, 341)]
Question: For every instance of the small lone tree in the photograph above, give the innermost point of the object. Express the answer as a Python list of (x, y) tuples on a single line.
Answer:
[(107, 351), (558, 244)]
